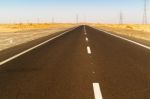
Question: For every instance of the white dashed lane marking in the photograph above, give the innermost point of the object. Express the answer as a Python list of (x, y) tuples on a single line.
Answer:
[(86, 39), (96, 86), (97, 91), (88, 50)]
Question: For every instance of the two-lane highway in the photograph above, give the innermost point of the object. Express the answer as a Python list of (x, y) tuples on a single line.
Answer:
[(84, 63)]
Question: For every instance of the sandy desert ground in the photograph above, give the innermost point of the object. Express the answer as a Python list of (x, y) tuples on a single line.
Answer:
[(131, 30), (15, 34)]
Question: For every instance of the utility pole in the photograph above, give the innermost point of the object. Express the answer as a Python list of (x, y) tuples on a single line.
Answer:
[(121, 18), (77, 19), (53, 20), (38, 20), (145, 17), (85, 19)]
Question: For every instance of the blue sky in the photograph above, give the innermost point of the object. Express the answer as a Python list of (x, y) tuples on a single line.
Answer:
[(103, 11)]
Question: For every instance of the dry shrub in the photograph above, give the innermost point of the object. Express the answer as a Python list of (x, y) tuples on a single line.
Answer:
[(129, 27)]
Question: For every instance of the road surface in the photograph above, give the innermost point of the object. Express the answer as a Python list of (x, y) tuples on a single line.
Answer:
[(84, 63)]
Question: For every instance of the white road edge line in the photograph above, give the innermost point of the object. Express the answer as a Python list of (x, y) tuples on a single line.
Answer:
[(88, 50), (131, 41), (97, 91), (86, 39), (17, 55)]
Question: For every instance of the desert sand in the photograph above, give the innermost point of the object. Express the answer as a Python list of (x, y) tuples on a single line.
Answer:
[(15, 34)]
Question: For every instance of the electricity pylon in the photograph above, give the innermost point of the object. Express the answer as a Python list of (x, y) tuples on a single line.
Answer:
[(145, 17), (121, 18), (77, 19)]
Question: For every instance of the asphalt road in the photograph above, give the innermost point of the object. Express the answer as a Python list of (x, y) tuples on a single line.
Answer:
[(82, 64)]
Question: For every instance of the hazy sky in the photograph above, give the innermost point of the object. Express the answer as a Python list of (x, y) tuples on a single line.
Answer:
[(103, 11)]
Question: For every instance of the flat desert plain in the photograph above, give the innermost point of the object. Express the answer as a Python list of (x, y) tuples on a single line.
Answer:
[(15, 34), (130, 30)]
